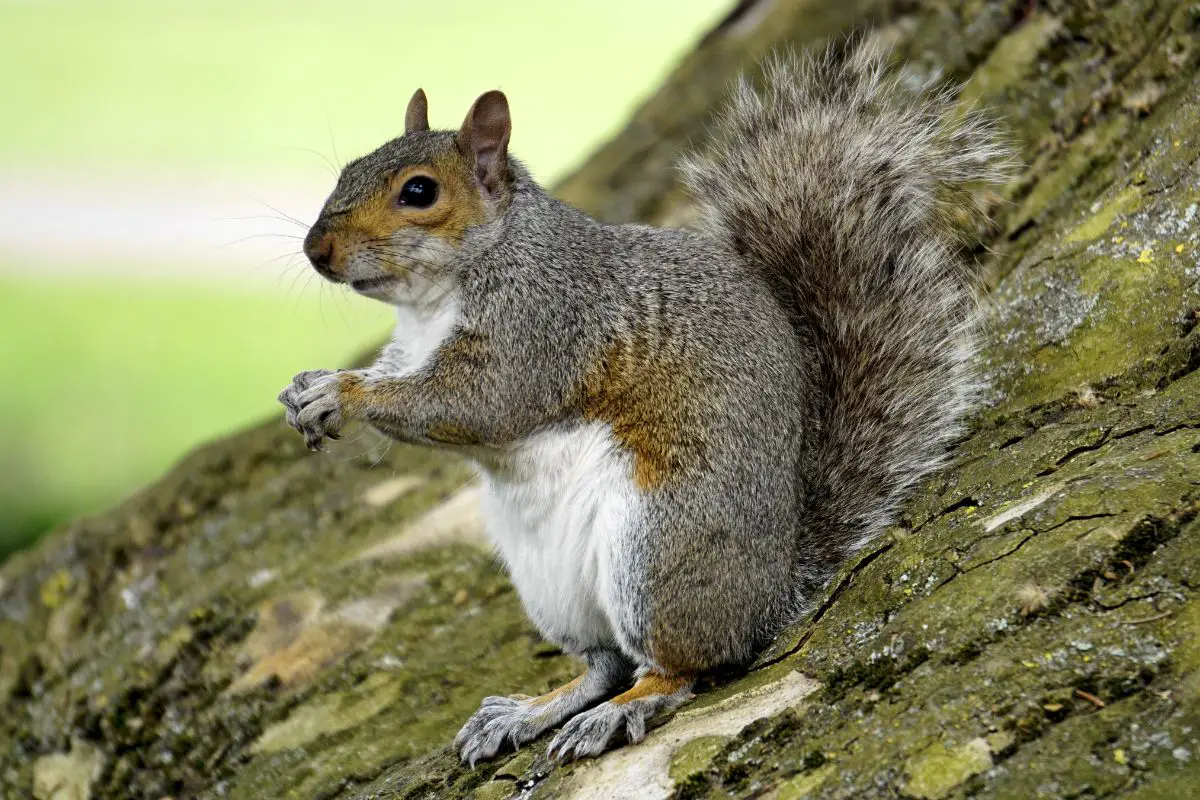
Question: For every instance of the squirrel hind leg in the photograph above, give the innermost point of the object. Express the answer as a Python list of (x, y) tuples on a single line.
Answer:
[(622, 719), (508, 722)]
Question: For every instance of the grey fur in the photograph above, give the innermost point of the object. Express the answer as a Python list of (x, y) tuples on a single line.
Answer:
[(840, 184), (818, 334)]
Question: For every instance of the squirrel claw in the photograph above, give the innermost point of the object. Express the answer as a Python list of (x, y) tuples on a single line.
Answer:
[(314, 407)]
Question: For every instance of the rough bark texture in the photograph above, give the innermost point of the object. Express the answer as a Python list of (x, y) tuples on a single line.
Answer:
[(269, 623)]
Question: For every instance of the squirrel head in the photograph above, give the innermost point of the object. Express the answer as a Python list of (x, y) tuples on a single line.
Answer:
[(399, 216)]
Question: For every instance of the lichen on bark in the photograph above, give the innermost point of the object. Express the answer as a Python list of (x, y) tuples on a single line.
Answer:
[(267, 623)]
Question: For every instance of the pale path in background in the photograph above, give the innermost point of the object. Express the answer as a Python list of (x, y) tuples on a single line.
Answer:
[(165, 225)]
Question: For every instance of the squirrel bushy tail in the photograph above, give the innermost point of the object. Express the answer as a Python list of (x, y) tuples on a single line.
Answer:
[(841, 185)]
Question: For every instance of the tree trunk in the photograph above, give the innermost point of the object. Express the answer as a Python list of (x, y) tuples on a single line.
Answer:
[(265, 622)]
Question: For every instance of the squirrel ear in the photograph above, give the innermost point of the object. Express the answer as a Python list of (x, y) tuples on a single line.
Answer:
[(416, 118), (484, 136)]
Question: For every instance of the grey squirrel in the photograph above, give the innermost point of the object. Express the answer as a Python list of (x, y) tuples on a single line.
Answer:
[(680, 434)]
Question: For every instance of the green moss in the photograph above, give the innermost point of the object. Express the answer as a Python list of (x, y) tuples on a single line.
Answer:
[(1178, 783), (751, 681), (876, 674), (329, 714), (54, 590), (518, 765), (1186, 628), (693, 758), (1064, 172), (1100, 221), (495, 790), (936, 771), (1012, 58), (802, 786)]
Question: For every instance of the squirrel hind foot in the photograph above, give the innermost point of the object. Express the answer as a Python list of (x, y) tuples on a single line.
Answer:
[(622, 719), (501, 724), (504, 723)]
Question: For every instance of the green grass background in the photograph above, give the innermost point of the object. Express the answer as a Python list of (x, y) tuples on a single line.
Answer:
[(119, 378), (106, 83), (109, 378)]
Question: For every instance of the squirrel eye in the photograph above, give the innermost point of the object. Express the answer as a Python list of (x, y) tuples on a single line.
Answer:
[(418, 192)]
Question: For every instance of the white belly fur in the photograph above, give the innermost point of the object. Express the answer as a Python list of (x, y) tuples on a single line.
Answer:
[(420, 330), (557, 507)]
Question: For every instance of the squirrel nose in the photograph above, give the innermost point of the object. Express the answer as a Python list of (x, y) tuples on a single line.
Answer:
[(318, 246)]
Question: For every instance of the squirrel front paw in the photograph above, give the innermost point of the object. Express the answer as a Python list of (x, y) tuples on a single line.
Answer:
[(314, 407)]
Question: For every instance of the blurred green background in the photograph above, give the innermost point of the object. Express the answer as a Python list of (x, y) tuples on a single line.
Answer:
[(151, 154)]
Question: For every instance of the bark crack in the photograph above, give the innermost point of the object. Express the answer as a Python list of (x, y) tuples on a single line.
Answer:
[(811, 625), (1076, 452)]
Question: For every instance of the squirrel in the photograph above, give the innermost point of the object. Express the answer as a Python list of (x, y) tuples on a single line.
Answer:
[(680, 434)]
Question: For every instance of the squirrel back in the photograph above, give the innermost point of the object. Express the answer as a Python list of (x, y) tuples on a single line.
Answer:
[(834, 182)]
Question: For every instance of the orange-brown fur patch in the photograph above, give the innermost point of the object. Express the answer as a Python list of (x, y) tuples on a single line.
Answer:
[(467, 351), (560, 691), (458, 207), (650, 684), (643, 400), (352, 393), (673, 649), (461, 195)]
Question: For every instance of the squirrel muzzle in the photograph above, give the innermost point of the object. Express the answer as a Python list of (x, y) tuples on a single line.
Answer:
[(318, 246)]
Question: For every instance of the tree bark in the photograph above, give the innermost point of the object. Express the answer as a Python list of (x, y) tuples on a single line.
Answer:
[(265, 622)]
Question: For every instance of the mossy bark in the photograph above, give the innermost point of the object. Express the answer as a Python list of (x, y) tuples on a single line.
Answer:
[(264, 622)]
